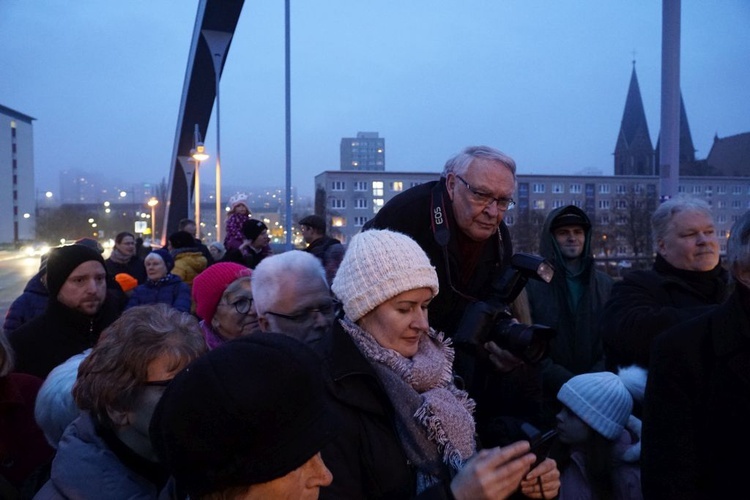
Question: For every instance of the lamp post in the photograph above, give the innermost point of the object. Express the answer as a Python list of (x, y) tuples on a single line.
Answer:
[(152, 203), (199, 154), (218, 43)]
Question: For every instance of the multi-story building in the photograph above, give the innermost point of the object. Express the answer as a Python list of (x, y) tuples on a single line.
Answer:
[(614, 203), (364, 152), (17, 204)]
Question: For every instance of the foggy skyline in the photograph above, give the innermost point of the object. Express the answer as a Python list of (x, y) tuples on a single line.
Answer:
[(543, 81)]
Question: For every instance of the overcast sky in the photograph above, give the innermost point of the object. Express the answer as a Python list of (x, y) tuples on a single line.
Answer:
[(543, 80)]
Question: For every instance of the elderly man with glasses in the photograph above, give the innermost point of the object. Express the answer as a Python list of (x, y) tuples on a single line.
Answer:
[(291, 295), (458, 222)]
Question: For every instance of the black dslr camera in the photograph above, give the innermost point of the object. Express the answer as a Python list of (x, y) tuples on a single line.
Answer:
[(492, 320)]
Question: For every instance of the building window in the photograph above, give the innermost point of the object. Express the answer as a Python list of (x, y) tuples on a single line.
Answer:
[(697, 189), (360, 185), (638, 188), (680, 189), (558, 188), (736, 189), (509, 220), (736, 204), (604, 219), (721, 190), (338, 203), (538, 204), (359, 221), (414, 183), (621, 189), (338, 186), (558, 203), (377, 188), (338, 221), (576, 203), (621, 204), (360, 203), (575, 189), (537, 187), (603, 188), (721, 204), (604, 204), (523, 189), (397, 186), (721, 218)]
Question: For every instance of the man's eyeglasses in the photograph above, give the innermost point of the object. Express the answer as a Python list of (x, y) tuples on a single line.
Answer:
[(487, 199), (241, 305), (306, 315)]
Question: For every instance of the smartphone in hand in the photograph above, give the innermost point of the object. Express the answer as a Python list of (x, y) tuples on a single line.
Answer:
[(541, 442)]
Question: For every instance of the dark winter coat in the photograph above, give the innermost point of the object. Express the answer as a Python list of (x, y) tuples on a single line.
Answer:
[(366, 457), (30, 304), (251, 258), (133, 267), (23, 448), (59, 333), (85, 467), (319, 247), (697, 407), (645, 303), (171, 291), (410, 213), (577, 347)]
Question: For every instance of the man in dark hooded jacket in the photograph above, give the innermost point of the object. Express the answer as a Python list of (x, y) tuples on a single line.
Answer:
[(572, 302)]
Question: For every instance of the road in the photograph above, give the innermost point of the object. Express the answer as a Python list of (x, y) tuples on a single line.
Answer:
[(15, 271)]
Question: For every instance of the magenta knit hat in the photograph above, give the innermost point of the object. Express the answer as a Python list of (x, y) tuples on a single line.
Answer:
[(209, 286)]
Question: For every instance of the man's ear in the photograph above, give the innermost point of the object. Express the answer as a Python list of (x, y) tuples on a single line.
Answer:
[(450, 184), (742, 276), (119, 418), (660, 247)]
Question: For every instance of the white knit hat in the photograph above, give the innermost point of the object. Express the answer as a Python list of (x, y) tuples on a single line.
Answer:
[(377, 266), (599, 399)]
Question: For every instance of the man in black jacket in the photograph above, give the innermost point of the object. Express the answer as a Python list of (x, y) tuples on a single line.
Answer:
[(697, 402), (571, 303), (79, 308), (687, 280)]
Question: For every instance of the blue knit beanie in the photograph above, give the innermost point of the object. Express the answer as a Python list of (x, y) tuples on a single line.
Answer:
[(166, 257), (599, 399)]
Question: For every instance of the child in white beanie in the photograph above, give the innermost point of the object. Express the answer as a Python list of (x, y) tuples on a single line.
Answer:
[(601, 434)]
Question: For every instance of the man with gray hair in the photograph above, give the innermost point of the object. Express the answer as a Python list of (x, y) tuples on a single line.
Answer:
[(697, 402), (686, 280), (291, 295)]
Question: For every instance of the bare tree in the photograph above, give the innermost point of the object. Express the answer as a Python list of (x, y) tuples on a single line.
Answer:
[(632, 219), (527, 227)]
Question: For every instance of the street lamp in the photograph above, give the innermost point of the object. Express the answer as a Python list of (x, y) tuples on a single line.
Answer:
[(152, 203), (199, 154), (218, 44)]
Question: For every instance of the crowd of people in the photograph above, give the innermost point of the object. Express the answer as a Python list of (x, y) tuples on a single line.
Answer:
[(401, 364)]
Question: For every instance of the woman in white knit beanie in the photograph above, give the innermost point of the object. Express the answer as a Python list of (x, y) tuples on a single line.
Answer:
[(601, 435), (405, 426)]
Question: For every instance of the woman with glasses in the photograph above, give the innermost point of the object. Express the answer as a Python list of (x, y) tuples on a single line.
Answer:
[(106, 452), (224, 303), (405, 429)]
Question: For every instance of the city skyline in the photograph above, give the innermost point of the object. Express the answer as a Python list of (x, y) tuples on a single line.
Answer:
[(544, 82)]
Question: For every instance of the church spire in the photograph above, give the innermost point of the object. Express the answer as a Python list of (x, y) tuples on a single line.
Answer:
[(634, 152)]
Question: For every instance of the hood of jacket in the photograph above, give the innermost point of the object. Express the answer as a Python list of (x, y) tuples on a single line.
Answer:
[(549, 248)]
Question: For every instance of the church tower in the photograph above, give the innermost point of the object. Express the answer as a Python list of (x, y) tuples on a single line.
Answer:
[(634, 152), (688, 165)]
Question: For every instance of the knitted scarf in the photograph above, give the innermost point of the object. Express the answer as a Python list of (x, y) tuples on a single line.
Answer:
[(119, 257), (433, 417)]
